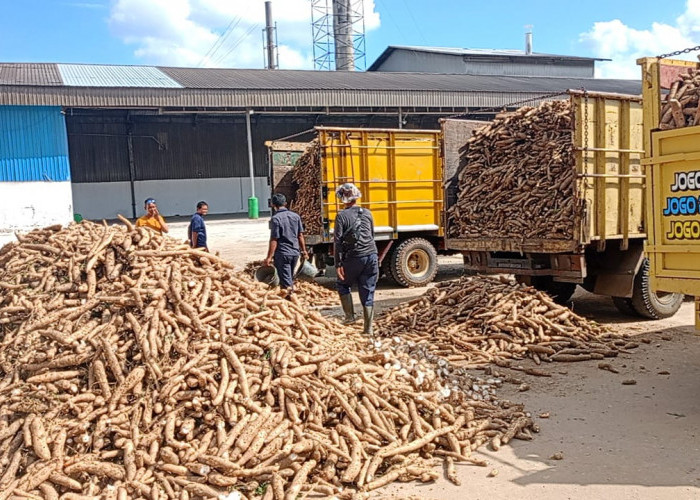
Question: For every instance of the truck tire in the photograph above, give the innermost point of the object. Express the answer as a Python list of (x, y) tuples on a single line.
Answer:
[(624, 305), (560, 292), (648, 304), (413, 262)]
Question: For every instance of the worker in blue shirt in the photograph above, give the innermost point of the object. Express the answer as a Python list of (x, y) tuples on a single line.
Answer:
[(197, 229), (286, 242)]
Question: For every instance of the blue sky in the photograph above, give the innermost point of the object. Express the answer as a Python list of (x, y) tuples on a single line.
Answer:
[(183, 32)]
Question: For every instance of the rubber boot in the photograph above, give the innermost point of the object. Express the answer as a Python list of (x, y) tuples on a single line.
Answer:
[(368, 315), (348, 309)]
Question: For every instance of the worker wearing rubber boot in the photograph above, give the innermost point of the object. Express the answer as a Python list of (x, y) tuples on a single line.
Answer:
[(356, 258)]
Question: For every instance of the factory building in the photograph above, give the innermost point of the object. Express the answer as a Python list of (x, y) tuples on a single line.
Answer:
[(96, 140)]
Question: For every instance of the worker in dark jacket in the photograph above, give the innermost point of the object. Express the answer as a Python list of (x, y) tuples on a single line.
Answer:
[(356, 258), (286, 242)]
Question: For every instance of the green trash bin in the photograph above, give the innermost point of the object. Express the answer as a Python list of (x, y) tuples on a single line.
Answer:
[(253, 209)]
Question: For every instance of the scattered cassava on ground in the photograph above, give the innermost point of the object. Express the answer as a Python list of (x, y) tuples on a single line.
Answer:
[(491, 320), (307, 293)]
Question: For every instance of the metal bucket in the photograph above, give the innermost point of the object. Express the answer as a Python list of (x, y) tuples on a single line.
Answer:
[(267, 275), (306, 271)]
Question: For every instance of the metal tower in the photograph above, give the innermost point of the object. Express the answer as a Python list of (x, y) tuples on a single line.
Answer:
[(338, 28)]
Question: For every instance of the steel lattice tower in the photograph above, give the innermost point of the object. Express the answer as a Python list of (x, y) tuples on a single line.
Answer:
[(338, 28)]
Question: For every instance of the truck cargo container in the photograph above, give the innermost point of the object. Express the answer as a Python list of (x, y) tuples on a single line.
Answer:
[(399, 172), (605, 253)]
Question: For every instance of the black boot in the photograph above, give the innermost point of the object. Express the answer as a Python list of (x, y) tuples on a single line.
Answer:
[(348, 309), (368, 315)]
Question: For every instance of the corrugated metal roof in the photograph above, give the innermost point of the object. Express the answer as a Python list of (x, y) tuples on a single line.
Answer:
[(250, 79), (33, 145), (94, 75), (289, 88), (29, 74)]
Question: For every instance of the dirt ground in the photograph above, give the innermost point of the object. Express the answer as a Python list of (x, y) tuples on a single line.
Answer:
[(637, 441)]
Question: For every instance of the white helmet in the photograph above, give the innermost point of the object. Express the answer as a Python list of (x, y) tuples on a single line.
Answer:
[(348, 192)]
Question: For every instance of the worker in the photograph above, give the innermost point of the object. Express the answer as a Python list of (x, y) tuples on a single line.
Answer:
[(197, 230), (356, 258), (286, 242), (152, 219)]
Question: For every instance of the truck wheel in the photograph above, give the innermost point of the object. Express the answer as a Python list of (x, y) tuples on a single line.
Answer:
[(648, 304), (560, 292), (413, 262), (624, 305)]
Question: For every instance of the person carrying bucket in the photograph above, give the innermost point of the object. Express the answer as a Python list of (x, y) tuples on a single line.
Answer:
[(286, 242), (356, 258)]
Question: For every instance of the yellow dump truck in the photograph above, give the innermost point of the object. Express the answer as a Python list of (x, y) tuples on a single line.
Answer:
[(400, 175), (672, 163), (605, 253)]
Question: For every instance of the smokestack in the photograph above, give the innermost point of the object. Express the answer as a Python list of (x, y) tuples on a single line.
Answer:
[(528, 40), (270, 36), (342, 34)]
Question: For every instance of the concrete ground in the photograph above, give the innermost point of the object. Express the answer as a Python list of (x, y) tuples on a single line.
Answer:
[(637, 441)]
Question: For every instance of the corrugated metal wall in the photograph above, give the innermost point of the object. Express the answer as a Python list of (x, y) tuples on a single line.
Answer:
[(33, 144), (183, 146)]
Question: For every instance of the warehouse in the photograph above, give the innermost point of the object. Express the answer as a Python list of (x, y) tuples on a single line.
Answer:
[(96, 139)]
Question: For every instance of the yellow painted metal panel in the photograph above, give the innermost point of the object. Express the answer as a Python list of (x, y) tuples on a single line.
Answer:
[(673, 195), (675, 207), (609, 136), (398, 172)]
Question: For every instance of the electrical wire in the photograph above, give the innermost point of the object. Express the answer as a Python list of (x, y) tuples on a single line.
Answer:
[(240, 40), (220, 40), (415, 23), (396, 25)]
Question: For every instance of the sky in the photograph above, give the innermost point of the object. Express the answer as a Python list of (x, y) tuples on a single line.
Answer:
[(228, 33)]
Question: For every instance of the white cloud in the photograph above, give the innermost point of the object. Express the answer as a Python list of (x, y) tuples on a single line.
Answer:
[(624, 44), (217, 33)]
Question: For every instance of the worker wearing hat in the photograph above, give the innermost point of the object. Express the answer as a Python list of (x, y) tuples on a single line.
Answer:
[(356, 258), (286, 242)]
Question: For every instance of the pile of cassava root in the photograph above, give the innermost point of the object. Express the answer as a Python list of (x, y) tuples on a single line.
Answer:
[(517, 177), (681, 106), (484, 320), (306, 176), (135, 367), (308, 293)]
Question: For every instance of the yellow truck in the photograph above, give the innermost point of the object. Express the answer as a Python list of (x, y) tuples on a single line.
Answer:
[(672, 163), (605, 255), (400, 175)]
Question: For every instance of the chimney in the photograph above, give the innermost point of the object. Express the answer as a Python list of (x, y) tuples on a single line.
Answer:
[(528, 40), (342, 34), (270, 36)]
